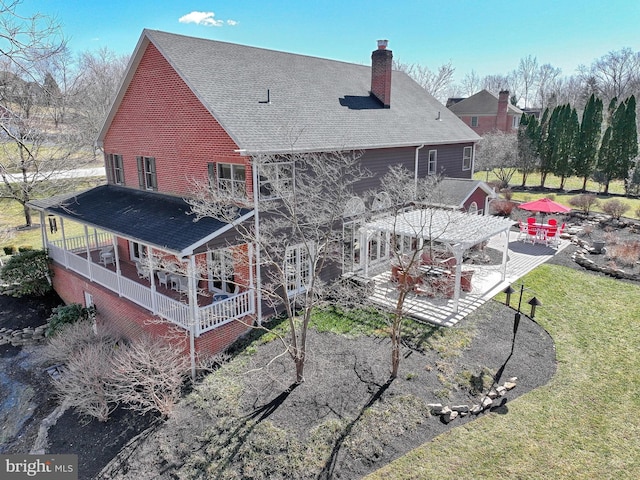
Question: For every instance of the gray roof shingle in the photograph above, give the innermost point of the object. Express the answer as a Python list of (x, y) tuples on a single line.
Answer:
[(315, 104), (481, 103)]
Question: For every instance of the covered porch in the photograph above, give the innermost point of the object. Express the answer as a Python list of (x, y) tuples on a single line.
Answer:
[(145, 248), (417, 233)]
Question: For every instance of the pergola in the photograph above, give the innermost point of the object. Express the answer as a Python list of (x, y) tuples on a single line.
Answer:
[(458, 231)]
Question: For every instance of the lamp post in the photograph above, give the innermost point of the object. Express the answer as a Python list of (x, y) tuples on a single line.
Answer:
[(534, 302)]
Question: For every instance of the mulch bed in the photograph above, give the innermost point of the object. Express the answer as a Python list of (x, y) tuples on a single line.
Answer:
[(345, 386)]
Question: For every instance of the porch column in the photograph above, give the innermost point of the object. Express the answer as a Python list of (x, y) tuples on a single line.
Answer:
[(43, 231), (505, 256), (150, 266), (457, 253), (64, 243), (114, 240), (194, 323), (89, 262)]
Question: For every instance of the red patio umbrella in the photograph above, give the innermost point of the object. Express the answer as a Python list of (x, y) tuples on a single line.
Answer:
[(544, 205)]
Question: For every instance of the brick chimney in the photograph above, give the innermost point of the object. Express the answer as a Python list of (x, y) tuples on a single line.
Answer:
[(381, 60), (501, 117)]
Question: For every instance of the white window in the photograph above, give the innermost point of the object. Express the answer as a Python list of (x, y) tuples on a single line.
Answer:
[(232, 178), (466, 158), (474, 121), (137, 251), (147, 178), (433, 162), (297, 269), (221, 271), (473, 208), (276, 180), (515, 122), (351, 246), (115, 169)]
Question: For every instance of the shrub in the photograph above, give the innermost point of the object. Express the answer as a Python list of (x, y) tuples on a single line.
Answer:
[(9, 250), (83, 383), (507, 193), (29, 271), (67, 314), (147, 375), (502, 208), (624, 253), (584, 202), (637, 212), (615, 208), (25, 248)]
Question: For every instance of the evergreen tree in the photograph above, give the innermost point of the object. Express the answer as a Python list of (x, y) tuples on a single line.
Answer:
[(588, 140), (528, 145), (545, 148), (565, 139)]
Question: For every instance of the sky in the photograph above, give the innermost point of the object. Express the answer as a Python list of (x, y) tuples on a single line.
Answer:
[(485, 36)]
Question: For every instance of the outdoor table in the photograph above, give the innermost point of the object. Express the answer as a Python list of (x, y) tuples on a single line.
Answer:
[(541, 231)]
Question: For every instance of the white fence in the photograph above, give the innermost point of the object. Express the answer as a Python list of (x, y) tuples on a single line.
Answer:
[(209, 317)]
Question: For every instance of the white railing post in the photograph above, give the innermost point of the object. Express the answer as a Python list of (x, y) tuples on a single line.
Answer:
[(194, 314), (64, 243), (86, 239)]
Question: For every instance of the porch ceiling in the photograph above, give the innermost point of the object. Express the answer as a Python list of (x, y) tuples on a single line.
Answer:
[(151, 218), (450, 227)]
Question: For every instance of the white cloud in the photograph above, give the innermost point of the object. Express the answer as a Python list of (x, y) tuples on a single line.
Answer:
[(232, 23), (201, 18)]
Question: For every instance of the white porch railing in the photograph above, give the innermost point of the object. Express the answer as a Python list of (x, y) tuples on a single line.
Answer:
[(224, 311), (76, 244), (209, 317)]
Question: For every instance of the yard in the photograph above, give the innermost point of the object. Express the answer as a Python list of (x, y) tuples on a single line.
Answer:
[(582, 424)]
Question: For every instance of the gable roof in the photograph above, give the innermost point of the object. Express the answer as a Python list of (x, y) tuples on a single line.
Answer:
[(151, 218), (454, 192), (482, 103), (276, 102)]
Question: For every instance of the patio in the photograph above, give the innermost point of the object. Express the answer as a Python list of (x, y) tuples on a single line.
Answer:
[(487, 282)]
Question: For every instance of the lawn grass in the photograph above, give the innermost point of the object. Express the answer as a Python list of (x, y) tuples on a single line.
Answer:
[(583, 423)]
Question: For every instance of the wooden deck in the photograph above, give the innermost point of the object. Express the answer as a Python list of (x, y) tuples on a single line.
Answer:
[(487, 282)]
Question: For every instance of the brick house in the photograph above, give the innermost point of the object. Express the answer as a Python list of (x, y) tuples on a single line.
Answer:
[(484, 112), (191, 109)]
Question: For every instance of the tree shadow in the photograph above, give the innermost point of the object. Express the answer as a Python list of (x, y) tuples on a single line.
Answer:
[(245, 427), (329, 468)]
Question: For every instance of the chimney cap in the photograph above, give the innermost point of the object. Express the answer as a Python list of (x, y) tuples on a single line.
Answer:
[(382, 44)]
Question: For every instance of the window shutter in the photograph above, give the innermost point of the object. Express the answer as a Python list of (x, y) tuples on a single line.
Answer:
[(140, 172), (211, 167), (108, 161)]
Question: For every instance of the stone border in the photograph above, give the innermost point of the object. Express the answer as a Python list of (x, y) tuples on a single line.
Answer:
[(23, 336), (448, 414)]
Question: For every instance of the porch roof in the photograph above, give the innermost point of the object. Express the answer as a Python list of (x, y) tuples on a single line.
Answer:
[(151, 218), (451, 227)]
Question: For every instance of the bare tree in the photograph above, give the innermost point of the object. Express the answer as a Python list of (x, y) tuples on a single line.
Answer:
[(547, 83), (298, 237), (94, 90), (528, 72), (471, 83), (436, 83), (498, 152), (615, 75)]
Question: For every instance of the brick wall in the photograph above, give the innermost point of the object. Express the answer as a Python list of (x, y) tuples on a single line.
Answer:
[(160, 117), (132, 321)]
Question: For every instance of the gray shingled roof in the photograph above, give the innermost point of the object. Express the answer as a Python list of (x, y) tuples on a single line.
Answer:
[(481, 103), (160, 220), (315, 104), (453, 192)]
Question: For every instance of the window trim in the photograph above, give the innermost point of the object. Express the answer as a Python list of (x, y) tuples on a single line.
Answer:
[(432, 162), (147, 175), (465, 157), (474, 121), (235, 191), (301, 276), (278, 168)]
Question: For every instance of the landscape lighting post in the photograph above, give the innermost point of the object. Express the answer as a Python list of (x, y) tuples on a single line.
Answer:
[(534, 302)]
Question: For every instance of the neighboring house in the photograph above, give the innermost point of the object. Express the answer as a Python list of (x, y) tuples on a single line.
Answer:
[(464, 194), (484, 112), (190, 110)]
